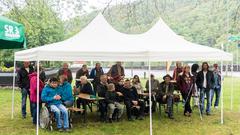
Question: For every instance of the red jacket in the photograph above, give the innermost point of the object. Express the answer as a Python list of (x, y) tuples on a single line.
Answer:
[(33, 87)]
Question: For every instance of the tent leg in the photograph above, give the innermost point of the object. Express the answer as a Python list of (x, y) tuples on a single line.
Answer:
[(232, 86), (13, 91), (37, 128), (221, 92), (150, 95)]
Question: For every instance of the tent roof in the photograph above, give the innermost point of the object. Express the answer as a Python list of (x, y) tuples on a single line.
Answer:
[(99, 41)]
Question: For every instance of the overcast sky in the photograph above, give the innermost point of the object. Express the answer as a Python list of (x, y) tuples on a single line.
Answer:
[(67, 6)]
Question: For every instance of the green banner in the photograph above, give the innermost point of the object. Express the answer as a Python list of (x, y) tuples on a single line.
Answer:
[(11, 34), (234, 38)]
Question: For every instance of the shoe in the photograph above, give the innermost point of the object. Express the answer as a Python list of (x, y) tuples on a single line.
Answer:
[(186, 114), (24, 117), (60, 130), (170, 117), (190, 114), (208, 113), (67, 130), (216, 107)]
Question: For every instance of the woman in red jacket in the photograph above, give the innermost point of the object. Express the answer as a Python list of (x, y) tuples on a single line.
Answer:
[(33, 95), (186, 85)]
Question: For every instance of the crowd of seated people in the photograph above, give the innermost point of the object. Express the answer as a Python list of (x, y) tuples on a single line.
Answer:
[(118, 92)]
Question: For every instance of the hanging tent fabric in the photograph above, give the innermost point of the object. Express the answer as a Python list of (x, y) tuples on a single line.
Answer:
[(100, 42), (11, 34)]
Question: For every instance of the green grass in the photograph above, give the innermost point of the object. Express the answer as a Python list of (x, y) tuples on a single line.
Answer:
[(161, 125)]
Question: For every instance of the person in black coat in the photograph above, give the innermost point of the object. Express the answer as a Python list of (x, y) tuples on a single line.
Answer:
[(81, 72), (101, 91), (205, 82), (131, 100), (95, 74), (84, 88), (116, 72), (24, 84)]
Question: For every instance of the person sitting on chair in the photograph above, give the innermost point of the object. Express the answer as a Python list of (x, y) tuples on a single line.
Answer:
[(66, 91), (112, 101), (50, 95), (131, 100), (165, 94), (101, 91), (84, 88)]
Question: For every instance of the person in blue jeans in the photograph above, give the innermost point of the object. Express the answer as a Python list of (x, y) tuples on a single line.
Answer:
[(51, 95), (66, 91), (217, 85), (23, 82), (205, 82)]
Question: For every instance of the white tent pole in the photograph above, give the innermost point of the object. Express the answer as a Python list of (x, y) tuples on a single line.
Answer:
[(131, 69), (232, 85), (13, 91), (221, 92), (150, 94), (222, 89), (37, 98)]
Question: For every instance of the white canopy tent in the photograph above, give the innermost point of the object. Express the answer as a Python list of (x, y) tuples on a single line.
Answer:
[(100, 42)]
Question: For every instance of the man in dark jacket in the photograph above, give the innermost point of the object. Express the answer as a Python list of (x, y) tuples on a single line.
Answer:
[(95, 75), (101, 91), (65, 71), (81, 72), (205, 82), (165, 94), (132, 101), (217, 85), (24, 83), (116, 72), (84, 88)]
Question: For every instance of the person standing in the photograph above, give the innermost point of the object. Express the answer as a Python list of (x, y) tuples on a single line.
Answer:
[(186, 85), (205, 82), (177, 70), (95, 75), (24, 84), (217, 85), (33, 95), (194, 71), (116, 72), (81, 72), (65, 71), (154, 88)]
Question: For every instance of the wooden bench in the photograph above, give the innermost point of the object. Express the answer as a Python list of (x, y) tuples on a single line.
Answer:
[(74, 109)]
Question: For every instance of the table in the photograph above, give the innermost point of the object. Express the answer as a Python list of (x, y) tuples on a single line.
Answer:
[(89, 99)]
